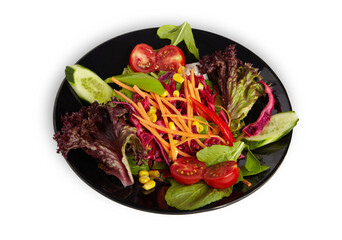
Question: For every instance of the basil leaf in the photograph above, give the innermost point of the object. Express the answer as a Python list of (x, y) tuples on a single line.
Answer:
[(179, 33), (190, 197), (220, 153)]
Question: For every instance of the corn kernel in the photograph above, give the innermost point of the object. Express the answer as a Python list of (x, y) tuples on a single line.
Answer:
[(154, 173), (180, 69), (149, 185), (144, 179), (165, 94), (172, 126), (153, 117), (175, 93), (178, 78), (143, 173), (152, 110), (199, 126), (200, 86)]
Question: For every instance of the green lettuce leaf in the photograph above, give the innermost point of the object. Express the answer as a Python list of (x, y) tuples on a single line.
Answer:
[(191, 197), (220, 153), (178, 34)]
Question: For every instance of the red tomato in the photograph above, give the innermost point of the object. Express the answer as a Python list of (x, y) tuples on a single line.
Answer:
[(143, 58), (187, 170), (222, 175), (170, 58)]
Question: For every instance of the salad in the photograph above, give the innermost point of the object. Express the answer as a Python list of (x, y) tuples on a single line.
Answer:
[(163, 121)]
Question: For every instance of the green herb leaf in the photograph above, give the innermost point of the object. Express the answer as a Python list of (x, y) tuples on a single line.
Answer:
[(252, 166), (190, 197), (220, 153), (179, 33), (136, 168)]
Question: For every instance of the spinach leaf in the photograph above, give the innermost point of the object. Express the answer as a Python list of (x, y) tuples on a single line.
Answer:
[(220, 153), (179, 33), (252, 166), (190, 197)]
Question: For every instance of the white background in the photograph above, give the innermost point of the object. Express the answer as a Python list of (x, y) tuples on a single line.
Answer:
[(42, 198)]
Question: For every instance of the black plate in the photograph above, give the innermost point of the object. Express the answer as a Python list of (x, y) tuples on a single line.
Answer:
[(109, 59)]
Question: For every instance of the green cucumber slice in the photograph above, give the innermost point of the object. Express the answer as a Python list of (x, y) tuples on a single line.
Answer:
[(88, 85), (279, 125)]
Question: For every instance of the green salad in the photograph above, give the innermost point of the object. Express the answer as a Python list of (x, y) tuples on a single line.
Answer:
[(163, 121)]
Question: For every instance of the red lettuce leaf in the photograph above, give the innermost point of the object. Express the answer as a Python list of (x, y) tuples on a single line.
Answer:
[(237, 83), (103, 133)]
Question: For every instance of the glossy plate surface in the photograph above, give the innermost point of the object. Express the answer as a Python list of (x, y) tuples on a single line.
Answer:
[(109, 59)]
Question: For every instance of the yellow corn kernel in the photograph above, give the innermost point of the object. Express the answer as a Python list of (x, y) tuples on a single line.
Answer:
[(154, 173), (153, 117), (175, 141), (144, 179), (199, 126), (200, 86), (178, 78), (152, 110), (172, 126), (149, 185), (143, 173), (175, 93), (180, 69), (164, 94)]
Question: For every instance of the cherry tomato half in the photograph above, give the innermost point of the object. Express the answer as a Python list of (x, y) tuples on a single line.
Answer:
[(143, 58), (187, 170), (222, 175), (170, 58)]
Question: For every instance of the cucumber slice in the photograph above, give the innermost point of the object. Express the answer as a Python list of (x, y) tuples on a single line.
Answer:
[(87, 85), (279, 125)]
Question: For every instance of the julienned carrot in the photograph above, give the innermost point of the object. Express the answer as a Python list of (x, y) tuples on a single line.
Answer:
[(161, 140), (175, 99), (144, 95), (225, 110), (122, 85), (173, 151), (186, 92), (179, 118), (189, 118), (176, 132)]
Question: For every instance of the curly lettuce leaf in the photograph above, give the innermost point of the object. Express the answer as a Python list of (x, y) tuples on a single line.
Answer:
[(102, 132), (178, 34), (237, 83)]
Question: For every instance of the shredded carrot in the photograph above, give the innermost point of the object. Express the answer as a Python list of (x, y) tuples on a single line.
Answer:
[(189, 118), (129, 101), (225, 110), (192, 77), (122, 85), (175, 99), (198, 98), (176, 132), (144, 95), (173, 151), (186, 91)]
